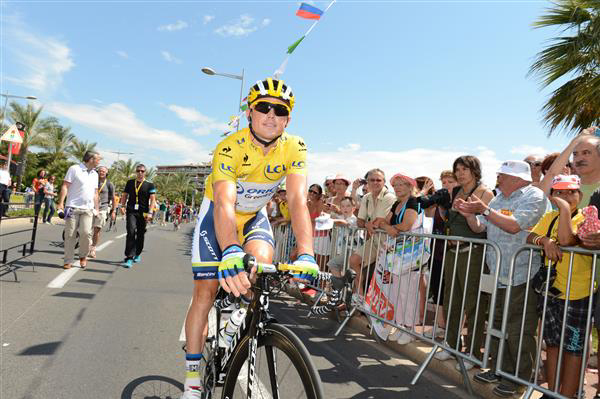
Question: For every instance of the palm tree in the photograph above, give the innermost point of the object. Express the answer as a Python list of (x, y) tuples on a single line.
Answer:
[(121, 171), (151, 174), (574, 105), (35, 128), (58, 141), (79, 148)]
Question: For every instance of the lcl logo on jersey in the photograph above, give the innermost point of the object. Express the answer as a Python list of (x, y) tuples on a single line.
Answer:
[(227, 169), (273, 172), (298, 165)]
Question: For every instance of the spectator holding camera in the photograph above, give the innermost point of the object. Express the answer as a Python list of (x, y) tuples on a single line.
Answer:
[(374, 207), (333, 204), (559, 228), (80, 187)]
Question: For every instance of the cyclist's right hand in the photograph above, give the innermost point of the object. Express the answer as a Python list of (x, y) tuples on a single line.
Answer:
[(232, 275)]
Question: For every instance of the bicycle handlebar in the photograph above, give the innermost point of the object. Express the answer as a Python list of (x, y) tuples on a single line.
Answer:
[(268, 268)]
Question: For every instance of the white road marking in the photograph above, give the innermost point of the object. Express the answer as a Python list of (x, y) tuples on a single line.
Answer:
[(102, 246), (121, 235), (182, 334), (65, 276)]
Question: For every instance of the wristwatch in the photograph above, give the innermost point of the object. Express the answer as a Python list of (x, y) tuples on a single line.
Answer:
[(486, 213)]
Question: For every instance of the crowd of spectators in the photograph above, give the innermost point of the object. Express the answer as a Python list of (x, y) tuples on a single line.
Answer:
[(540, 200)]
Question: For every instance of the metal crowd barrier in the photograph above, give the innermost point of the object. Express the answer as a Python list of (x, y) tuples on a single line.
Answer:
[(393, 278), (531, 383), (15, 252)]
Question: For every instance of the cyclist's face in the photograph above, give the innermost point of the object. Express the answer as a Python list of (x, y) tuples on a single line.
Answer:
[(268, 126)]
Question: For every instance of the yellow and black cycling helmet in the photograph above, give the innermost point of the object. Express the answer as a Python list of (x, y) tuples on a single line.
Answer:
[(271, 88)]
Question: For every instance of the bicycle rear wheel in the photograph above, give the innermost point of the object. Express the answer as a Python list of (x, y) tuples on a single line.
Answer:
[(283, 368)]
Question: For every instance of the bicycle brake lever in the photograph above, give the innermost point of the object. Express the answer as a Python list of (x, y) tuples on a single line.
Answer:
[(249, 262)]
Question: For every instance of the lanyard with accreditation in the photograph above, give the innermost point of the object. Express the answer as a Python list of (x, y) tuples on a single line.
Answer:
[(137, 190)]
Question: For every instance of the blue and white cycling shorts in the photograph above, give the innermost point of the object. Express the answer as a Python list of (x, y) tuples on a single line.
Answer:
[(206, 253)]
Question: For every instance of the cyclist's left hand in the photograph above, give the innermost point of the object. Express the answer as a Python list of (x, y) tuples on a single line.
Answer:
[(308, 269)]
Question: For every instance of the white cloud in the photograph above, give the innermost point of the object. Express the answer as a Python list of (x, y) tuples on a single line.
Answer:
[(202, 124), (179, 25), (169, 57), (242, 26), (42, 60), (207, 19), (122, 54), (525, 150), (349, 147), (120, 123), (354, 163)]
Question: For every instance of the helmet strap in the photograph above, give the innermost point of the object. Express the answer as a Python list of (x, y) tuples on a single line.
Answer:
[(261, 141)]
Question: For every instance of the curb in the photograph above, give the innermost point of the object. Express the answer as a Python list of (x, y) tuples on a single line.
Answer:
[(417, 351)]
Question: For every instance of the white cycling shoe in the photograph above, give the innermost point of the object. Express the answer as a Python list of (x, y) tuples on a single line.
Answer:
[(192, 394)]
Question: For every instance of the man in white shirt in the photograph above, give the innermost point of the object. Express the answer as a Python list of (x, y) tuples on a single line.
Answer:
[(4, 190), (81, 184)]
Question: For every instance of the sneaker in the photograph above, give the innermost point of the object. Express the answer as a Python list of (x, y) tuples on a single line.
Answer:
[(405, 338), (487, 377), (443, 355), (468, 365), (128, 263), (505, 389), (92, 253), (439, 333), (192, 394), (137, 259)]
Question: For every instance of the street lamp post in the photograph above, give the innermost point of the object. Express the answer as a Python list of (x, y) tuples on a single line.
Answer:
[(210, 71), (10, 144)]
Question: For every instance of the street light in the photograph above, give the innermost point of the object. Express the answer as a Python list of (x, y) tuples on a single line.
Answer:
[(212, 72), (6, 97)]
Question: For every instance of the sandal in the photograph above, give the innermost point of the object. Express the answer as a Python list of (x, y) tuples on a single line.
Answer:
[(82, 263)]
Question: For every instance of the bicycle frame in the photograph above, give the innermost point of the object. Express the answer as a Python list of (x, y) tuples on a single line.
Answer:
[(253, 325)]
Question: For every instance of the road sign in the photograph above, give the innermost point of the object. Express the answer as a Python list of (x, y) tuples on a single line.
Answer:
[(12, 135)]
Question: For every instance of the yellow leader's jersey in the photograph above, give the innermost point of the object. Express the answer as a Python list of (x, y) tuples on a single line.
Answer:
[(257, 176)]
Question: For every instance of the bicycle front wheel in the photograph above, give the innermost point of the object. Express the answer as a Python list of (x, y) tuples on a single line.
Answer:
[(283, 369)]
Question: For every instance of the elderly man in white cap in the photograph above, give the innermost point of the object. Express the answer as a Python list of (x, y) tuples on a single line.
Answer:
[(507, 219)]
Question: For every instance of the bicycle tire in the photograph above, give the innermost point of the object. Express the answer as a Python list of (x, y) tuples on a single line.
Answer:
[(283, 339)]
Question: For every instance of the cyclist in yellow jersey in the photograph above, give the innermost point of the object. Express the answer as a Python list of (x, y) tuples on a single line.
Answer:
[(247, 168)]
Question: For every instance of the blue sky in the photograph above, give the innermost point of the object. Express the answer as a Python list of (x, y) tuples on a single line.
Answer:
[(406, 86)]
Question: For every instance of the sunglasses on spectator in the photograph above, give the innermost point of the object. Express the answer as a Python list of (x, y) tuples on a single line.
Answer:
[(140, 171), (535, 164), (264, 107)]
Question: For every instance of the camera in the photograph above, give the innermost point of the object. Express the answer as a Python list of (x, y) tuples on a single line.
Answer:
[(363, 182), (61, 214), (441, 197)]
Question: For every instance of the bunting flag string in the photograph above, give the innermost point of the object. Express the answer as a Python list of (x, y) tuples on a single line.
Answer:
[(308, 12), (305, 11)]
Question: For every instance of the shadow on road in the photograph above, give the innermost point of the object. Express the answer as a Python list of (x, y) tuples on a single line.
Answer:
[(153, 386)]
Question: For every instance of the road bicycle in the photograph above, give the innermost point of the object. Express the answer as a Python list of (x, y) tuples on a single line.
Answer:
[(264, 359)]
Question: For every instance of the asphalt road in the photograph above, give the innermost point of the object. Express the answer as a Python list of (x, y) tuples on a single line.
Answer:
[(111, 332)]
